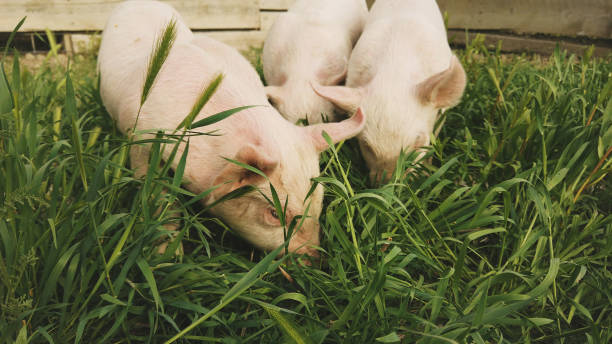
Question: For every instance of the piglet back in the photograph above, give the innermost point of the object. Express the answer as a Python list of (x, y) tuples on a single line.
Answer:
[(127, 42)]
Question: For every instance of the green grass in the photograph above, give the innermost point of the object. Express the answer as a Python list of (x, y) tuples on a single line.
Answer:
[(503, 237)]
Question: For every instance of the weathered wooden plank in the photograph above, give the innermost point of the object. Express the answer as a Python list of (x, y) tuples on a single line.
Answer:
[(91, 15), (514, 44), (280, 5), (277, 5), (241, 40), (268, 19), (591, 18)]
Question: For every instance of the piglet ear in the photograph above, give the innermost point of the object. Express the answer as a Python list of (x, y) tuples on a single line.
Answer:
[(331, 78), (345, 98), (337, 131), (234, 176), (444, 89)]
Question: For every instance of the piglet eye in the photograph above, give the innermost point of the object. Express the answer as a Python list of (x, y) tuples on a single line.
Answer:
[(273, 213), (271, 217)]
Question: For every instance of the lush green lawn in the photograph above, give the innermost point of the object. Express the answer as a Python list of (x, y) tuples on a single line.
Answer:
[(503, 237)]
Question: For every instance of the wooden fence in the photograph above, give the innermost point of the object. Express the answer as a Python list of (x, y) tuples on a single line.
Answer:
[(244, 23)]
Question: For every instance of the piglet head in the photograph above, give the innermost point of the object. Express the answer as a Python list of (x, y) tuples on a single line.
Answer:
[(400, 117), (289, 167), (295, 99), (298, 101)]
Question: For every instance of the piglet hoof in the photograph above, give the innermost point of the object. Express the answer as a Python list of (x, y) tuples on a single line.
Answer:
[(312, 258), (309, 260), (161, 249), (163, 246)]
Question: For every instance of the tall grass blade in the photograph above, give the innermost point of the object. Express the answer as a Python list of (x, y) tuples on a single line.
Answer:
[(218, 117), (148, 274), (12, 36), (6, 95), (22, 338), (160, 53), (71, 111), (16, 79), (291, 330), (240, 287), (204, 97)]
